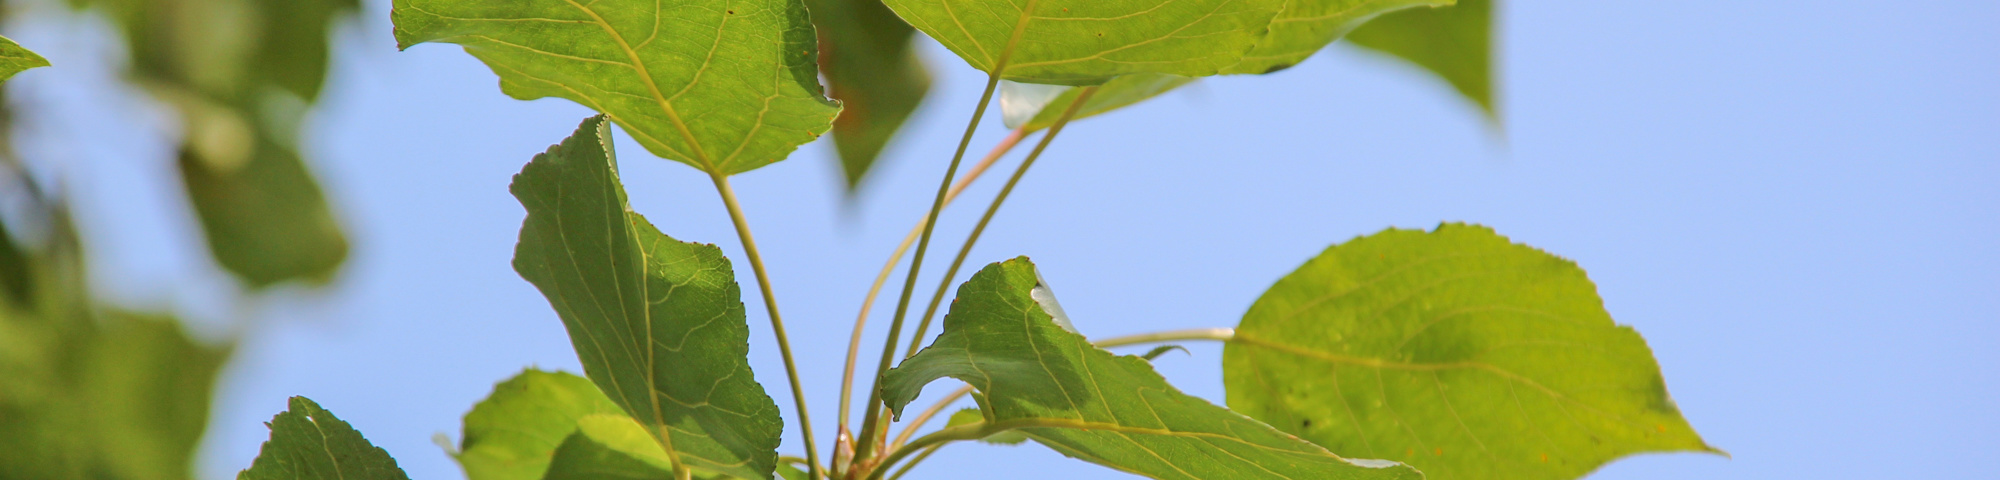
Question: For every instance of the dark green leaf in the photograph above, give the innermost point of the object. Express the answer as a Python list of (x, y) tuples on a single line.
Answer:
[(1455, 351), (514, 432), (725, 87), (658, 323), (1306, 26), (264, 216), (1090, 404), (14, 58), (309, 443), (1453, 42), (864, 50), (1087, 42)]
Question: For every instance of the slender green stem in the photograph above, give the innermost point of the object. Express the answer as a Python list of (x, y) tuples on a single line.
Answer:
[(868, 302), (918, 422), (914, 461), (777, 323), (974, 432), (944, 285), (864, 445), (1217, 334)]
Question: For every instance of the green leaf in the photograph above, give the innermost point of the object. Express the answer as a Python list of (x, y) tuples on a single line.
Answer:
[(1453, 42), (309, 443), (1088, 42), (1156, 352), (1090, 404), (1306, 26), (1115, 94), (658, 323), (514, 432), (725, 87), (264, 216), (864, 50), (606, 447), (1455, 351), (14, 59), (969, 416)]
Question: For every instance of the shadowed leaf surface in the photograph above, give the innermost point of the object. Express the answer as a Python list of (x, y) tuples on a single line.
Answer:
[(1453, 42), (724, 86), (1087, 42), (864, 50), (1093, 405), (14, 59), (658, 323), (1115, 94), (512, 434), (1455, 351), (309, 443)]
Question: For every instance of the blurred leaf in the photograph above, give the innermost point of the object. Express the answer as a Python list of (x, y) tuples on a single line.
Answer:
[(1048, 382), (512, 434), (309, 443), (658, 323), (968, 416), (1088, 42), (864, 50), (265, 219), (724, 88), (14, 59), (1455, 351), (1453, 42), (1306, 26), (242, 73)]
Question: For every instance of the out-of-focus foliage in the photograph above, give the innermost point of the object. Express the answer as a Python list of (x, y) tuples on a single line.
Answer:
[(1453, 42), (864, 51), (14, 58), (242, 73), (86, 390)]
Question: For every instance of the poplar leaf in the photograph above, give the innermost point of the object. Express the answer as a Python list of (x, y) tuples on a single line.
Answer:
[(1088, 42), (1050, 384), (658, 323), (726, 87), (513, 433), (309, 443), (14, 59), (1306, 26), (865, 53), (1455, 351), (1455, 43)]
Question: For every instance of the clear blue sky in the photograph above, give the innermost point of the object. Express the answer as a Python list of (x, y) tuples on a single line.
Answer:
[(1798, 205)]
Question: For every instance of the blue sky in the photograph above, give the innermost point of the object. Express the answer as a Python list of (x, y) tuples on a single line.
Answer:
[(1798, 206)]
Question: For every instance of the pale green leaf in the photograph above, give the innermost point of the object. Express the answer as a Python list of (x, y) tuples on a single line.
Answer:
[(14, 59), (969, 416), (513, 432), (724, 86), (864, 50), (1087, 42), (1051, 384), (1306, 26), (608, 447), (1453, 42), (658, 323), (1455, 351), (309, 443)]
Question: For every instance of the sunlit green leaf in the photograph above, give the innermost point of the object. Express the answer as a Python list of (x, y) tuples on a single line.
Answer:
[(1090, 404), (309, 443), (1455, 351), (1087, 42), (658, 323), (14, 59), (864, 50), (1306, 26), (1453, 42), (607, 447), (512, 434), (725, 87)]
